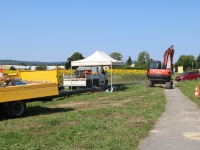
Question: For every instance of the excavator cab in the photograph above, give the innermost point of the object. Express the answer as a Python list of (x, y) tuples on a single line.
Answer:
[(154, 64)]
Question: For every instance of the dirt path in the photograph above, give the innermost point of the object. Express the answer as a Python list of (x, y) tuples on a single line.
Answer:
[(179, 126)]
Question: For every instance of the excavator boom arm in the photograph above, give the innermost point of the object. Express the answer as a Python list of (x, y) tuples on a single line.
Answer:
[(168, 52)]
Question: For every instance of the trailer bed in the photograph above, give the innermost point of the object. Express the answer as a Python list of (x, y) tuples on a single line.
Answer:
[(28, 91)]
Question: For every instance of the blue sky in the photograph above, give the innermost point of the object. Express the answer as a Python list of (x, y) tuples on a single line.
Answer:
[(52, 30)]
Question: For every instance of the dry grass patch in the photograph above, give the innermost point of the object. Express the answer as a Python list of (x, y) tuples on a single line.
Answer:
[(135, 122), (85, 105)]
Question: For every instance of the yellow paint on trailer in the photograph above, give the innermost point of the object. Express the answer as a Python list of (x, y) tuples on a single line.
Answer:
[(45, 75), (23, 92)]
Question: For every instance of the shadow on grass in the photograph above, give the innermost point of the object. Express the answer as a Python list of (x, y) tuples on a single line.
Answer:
[(162, 86), (38, 110), (2, 117), (115, 89), (122, 88)]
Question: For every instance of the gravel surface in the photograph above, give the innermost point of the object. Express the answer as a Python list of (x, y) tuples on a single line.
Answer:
[(179, 126)]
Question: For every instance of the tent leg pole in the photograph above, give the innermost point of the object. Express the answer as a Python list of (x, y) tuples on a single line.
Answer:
[(111, 78), (71, 77)]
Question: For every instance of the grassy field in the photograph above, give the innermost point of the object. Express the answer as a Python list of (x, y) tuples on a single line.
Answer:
[(188, 89), (104, 120)]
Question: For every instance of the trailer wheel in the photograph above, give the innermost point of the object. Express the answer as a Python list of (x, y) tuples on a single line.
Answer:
[(14, 109)]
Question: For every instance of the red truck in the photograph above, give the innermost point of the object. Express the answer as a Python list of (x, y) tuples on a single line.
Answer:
[(190, 75)]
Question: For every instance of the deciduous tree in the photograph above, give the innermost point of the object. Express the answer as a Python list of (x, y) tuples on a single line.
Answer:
[(41, 67), (12, 68), (116, 56), (74, 57), (198, 61), (129, 61), (187, 61), (142, 61)]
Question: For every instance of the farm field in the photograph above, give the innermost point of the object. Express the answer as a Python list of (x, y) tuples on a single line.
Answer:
[(104, 120)]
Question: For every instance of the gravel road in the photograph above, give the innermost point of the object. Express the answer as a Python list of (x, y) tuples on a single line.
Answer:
[(179, 126)]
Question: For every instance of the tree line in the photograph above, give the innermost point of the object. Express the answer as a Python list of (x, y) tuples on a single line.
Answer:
[(189, 62)]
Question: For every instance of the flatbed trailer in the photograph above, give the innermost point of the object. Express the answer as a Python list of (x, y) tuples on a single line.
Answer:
[(13, 99), (40, 86), (28, 91)]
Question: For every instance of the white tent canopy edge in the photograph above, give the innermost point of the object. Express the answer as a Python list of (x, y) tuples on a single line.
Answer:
[(98, 58)]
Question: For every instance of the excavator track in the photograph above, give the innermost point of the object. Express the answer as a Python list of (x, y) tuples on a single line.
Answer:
[(149, 83), (169, 85)]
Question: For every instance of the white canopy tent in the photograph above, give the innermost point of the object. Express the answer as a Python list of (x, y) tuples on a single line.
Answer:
[(99, 58)]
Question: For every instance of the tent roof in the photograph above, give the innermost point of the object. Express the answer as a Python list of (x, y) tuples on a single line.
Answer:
[(98, 58)]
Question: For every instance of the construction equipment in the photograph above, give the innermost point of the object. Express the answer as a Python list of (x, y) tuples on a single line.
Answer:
[(158, 73)]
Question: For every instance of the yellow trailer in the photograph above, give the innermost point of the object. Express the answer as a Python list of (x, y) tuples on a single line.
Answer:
[(38, 85)]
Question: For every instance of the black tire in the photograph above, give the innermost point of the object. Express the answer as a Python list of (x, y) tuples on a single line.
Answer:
[(89, 83), (171, 86), (198, 78), (149, 83), (4, 111), (73, 88), (14, 109), (106, 82), (186, 79)]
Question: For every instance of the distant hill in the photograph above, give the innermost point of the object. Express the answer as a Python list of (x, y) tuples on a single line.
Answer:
[(29, 63)]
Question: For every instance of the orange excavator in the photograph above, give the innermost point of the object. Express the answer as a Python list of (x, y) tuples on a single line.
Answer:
[(158, 73)]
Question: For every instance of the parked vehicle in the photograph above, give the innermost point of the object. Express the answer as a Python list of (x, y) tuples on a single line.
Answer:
[(24, 87), (85, 77), (191, 75)]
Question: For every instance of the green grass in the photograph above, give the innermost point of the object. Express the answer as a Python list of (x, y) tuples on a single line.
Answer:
[(104, 120), (188, 89)]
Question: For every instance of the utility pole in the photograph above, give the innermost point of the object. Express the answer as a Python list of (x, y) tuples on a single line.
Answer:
[(192, 65)]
